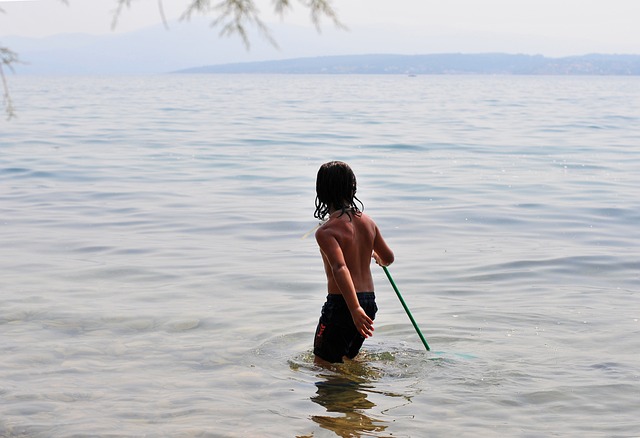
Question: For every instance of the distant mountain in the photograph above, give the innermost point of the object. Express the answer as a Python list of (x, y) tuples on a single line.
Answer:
[(454, 63), (155, 50)]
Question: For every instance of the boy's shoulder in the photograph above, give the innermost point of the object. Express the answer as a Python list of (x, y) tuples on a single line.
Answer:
[(366, 218)]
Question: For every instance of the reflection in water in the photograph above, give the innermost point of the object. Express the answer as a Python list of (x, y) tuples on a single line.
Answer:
[(342, 395), (345, 392)]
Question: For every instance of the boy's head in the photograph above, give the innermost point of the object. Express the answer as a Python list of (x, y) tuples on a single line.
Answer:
[(335, 189)]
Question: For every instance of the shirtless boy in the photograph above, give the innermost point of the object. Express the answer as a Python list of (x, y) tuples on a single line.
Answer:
[(347, 240)]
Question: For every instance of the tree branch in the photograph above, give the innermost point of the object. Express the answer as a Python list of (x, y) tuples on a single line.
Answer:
[(235, 16), (319, 8), (120, 5), (7, 59)]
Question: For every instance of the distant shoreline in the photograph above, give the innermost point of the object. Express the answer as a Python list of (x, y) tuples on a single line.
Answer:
[(450, 63)]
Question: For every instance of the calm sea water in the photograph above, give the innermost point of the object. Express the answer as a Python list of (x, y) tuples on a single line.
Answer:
[(154, 281)]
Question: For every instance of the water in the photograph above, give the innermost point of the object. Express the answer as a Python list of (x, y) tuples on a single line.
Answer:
[(154, 281)]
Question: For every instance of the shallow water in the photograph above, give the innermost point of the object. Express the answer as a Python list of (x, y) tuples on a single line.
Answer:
[(154, 281)]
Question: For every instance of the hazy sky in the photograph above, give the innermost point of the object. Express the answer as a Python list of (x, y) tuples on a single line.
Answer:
[(580, 25)]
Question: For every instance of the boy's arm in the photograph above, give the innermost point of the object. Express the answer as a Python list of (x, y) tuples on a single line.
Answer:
[(382, 254), (331, 249)]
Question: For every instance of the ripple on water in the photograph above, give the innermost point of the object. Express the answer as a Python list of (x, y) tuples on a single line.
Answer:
[(148, 260)]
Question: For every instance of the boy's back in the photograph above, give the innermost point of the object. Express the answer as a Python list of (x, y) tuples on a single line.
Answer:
[(355, 236)]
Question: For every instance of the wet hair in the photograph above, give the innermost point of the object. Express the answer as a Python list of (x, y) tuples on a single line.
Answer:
[(336, 188)]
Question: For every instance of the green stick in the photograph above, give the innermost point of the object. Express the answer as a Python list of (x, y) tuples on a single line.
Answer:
[(406, 309)]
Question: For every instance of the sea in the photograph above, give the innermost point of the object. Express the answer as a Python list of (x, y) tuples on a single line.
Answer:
[(156, 281)]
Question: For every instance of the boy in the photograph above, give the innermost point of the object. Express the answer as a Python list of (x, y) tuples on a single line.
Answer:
[(347, 240)]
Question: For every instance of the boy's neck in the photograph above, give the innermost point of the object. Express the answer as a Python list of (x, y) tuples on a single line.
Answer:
[(333, 210)]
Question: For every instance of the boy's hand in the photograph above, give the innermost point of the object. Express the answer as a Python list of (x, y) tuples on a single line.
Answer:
[(376, 257), (363, 323)]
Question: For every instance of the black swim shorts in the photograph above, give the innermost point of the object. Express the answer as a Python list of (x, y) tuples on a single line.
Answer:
[(336, 335)]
